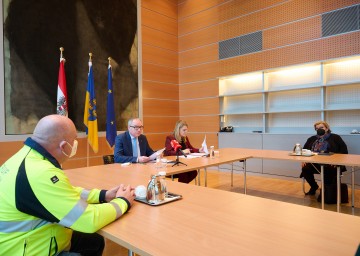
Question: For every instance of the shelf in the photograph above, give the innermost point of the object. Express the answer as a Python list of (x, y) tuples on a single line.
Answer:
[(242, 93), (292, 111), (240, 113)]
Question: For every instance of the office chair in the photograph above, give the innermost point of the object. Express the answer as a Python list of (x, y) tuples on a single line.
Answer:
[(108, 159)]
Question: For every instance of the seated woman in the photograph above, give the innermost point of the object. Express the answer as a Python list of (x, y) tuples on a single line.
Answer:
[(180, 131), (323, 142)]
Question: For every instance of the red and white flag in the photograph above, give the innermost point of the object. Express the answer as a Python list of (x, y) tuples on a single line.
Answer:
[(62, 102)]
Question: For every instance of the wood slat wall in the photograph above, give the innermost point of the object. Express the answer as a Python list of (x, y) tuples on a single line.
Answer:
[(160, 63)]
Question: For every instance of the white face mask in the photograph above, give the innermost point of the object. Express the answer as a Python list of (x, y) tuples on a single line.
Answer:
[(73, 149)]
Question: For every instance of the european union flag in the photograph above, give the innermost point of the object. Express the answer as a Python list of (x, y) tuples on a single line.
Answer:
[(110, 112), (90, 115)]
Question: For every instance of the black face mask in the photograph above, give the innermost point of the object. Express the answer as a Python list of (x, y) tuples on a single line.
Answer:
[(320, 132)]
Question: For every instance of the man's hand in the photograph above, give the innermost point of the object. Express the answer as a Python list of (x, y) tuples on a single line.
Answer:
[(127, 192), (111, 194), (143, 159)]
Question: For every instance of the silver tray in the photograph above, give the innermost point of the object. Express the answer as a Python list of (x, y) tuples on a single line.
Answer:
[(170, 198), (293, 154)]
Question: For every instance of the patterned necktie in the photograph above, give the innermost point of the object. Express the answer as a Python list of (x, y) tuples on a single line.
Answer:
[(134, 147)]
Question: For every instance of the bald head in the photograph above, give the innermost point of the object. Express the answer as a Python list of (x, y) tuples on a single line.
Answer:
[(52, 130)]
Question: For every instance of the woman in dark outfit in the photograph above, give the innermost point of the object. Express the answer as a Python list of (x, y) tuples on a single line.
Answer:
[(180, 131), (323, 142)]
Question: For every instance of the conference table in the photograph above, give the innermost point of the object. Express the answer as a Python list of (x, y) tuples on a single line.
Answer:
[(207, 221), (331, 159)]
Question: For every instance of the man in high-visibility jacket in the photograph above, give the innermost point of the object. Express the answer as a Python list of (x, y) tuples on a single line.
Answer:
[(41, 213)]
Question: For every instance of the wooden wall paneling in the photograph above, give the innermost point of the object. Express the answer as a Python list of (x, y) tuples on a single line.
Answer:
[(202, 89), (277, 15), (158, 90), (154, 124), (158, 21), (157, 140), (330, 5), (154, 107), (82, 162), (8, 149), (199, 73), (200, 20), (75, 163), (199, 38), (322, 49), (207, 106), (188, 8), (202, 123), (159, 56), (234, 9), (290, 33), (167, 8), (104, 148), (208, 53), (159, 39), (164, 74)]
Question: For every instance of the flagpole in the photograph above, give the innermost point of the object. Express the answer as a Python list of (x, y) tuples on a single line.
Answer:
[(87, 143), (106, 117), (61, 52)]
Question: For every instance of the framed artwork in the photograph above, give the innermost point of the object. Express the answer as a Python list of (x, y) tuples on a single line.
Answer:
[(34, 30)]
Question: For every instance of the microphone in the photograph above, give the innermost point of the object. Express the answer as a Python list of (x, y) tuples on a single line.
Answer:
[(177, 147)]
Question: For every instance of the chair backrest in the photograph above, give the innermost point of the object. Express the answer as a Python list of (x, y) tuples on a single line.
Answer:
[(108, 159)]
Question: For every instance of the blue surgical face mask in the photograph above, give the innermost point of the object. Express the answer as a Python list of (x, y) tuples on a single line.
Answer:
[(320, 132), (73, 149)]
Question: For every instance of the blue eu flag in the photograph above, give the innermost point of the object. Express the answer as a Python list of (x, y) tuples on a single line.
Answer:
[(110, 112)]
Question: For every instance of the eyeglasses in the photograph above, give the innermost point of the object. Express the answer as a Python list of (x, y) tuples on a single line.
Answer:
[(137, 127)]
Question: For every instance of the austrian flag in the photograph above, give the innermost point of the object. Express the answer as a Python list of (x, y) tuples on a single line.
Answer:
[(62, 103)]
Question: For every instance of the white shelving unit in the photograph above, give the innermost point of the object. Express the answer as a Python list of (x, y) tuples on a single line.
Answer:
[(291, 99), (283, 105)]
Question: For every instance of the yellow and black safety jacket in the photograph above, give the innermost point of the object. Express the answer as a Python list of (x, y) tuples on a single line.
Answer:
[(39, 207)]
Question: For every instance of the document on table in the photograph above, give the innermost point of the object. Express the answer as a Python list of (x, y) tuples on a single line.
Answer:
[(157, 153), (194, 155)]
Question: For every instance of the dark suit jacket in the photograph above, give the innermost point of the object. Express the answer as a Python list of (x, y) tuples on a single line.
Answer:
[(336, 145), (123, 148)]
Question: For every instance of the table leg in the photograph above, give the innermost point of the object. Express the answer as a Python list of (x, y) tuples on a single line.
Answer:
[(198, 177), (205, 173), (353, 186), (322, 186), (338, 188), (245, 176), (232, 174), (130, 253)]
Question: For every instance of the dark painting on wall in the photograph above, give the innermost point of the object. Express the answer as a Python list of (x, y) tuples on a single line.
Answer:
[(34, 30)]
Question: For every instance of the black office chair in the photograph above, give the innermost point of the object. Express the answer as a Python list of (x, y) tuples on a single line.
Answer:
[(108, 159)]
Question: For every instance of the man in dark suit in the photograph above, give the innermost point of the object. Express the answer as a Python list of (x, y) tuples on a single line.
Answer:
[(132, 146)]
